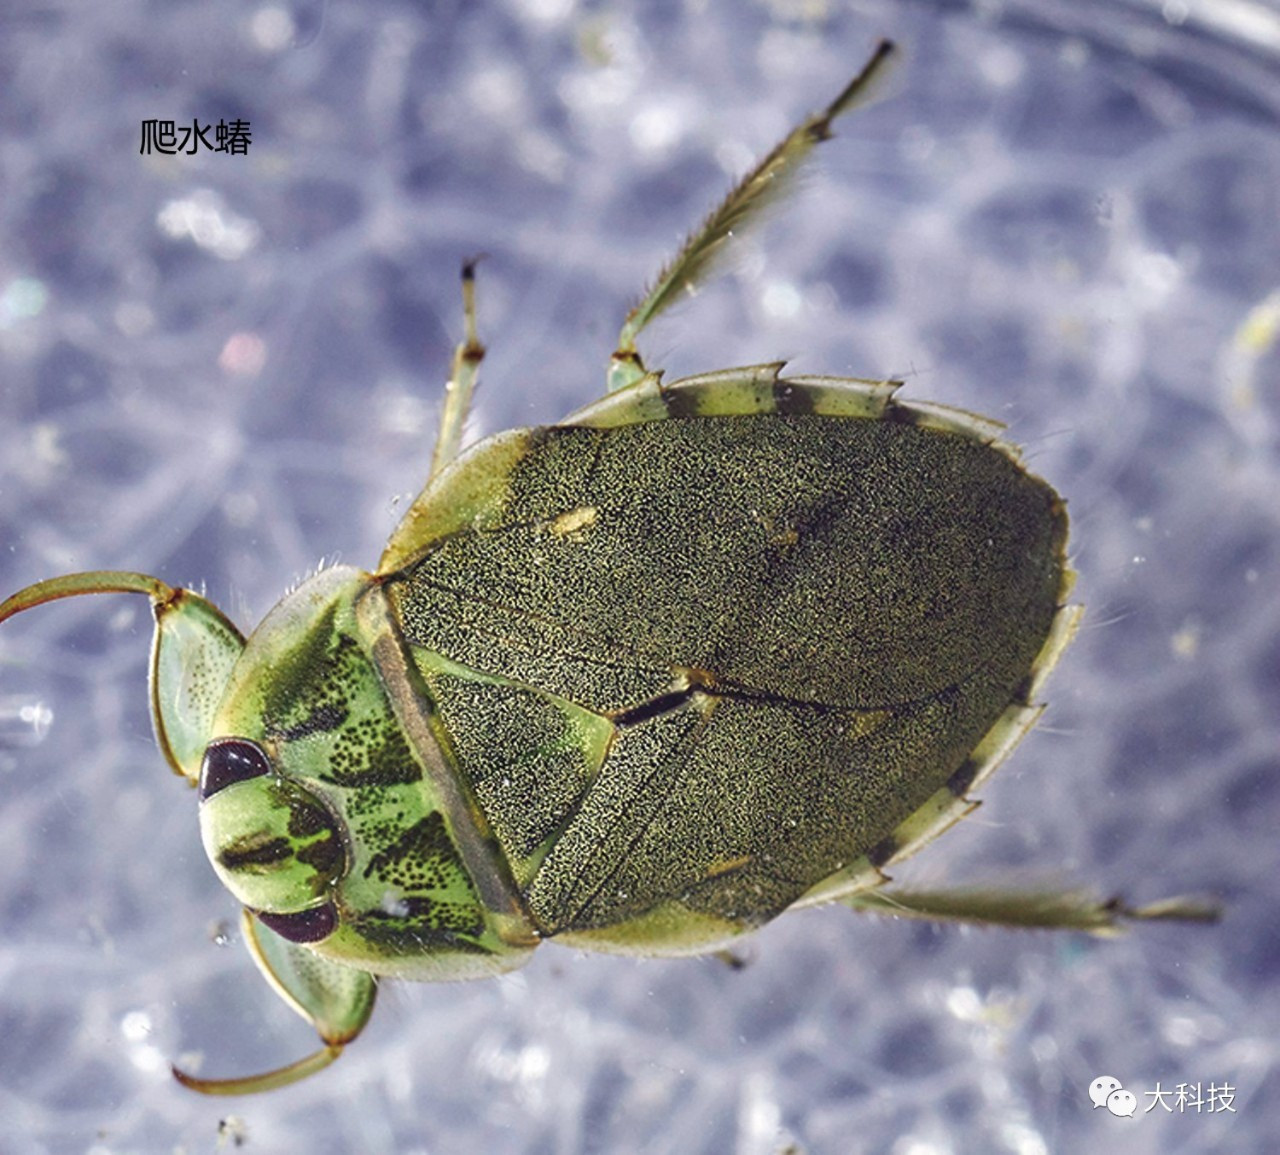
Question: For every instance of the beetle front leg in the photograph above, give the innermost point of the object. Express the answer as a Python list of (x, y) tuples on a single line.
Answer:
[(462, 377), (337, 1000), (193, 650)]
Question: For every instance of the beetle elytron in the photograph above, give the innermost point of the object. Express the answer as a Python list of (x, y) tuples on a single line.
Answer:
[(638, 682)]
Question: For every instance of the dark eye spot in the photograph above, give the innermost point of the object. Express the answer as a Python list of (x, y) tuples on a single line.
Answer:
[(305, 926), (230, 760)]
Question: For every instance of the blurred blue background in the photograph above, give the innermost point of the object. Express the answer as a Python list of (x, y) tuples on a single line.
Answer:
[(220, 369)]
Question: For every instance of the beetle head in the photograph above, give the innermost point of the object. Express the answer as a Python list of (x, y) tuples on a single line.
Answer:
[(286, 728), (273, 843), (315, 810)]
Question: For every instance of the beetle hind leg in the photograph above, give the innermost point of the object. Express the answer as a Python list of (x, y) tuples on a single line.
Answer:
[(863, 886), (764, 185), (1031, 909)]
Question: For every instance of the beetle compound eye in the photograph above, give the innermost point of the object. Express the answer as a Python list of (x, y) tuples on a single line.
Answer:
[(303, 926), (274, 843), (230, 760)]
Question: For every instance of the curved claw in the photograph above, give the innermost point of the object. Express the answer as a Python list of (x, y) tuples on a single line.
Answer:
[(193, 649), (96, 582), (267, 1081)]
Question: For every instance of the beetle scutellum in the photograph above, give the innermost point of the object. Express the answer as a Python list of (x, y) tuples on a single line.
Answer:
[(639, 682)]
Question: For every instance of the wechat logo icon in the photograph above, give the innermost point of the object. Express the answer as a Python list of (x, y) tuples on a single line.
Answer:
[(1106, 1091)]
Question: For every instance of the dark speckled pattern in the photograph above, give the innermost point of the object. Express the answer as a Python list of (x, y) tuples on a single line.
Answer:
[(1061, 216)]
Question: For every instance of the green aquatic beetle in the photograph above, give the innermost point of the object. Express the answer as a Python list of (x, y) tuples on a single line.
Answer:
[(641, 681)]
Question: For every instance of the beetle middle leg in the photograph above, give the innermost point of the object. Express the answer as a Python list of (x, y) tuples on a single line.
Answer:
[(462, 377)]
